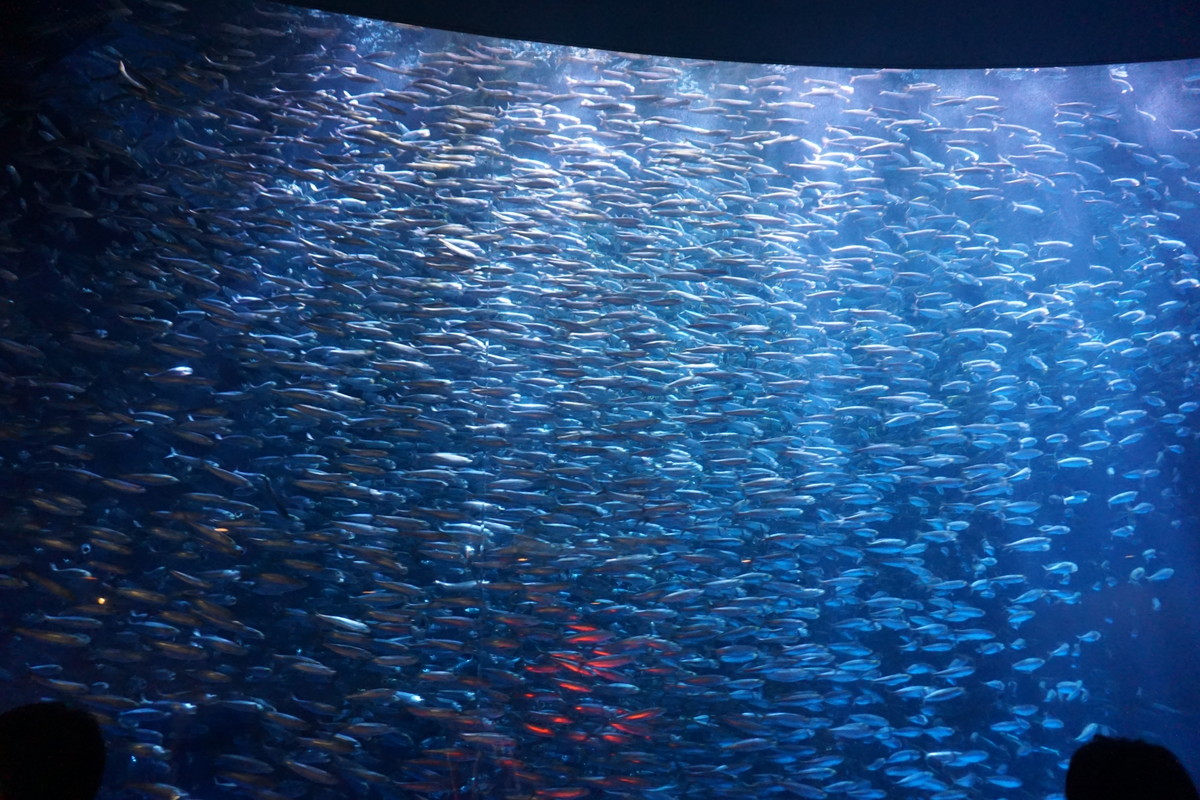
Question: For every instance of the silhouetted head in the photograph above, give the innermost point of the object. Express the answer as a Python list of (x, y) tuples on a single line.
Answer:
[(1127, 769), (50, 751)]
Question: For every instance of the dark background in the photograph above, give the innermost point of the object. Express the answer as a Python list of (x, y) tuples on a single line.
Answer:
[(897, 33), (872, 34)]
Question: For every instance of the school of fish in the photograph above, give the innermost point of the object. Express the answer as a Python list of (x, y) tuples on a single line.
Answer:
[(393, 413)]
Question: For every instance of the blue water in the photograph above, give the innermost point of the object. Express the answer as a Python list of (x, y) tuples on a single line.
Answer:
[(396, 413)]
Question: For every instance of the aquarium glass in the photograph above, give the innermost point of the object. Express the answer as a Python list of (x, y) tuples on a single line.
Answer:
[(394, 413)]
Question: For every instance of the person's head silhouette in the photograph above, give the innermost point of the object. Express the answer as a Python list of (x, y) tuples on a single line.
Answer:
[(50, 751), (1108, 768)]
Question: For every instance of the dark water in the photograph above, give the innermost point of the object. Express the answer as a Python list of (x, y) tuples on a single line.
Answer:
[(390, 413)]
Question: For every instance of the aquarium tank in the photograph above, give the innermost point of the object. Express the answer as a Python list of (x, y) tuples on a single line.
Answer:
[(389, 412)]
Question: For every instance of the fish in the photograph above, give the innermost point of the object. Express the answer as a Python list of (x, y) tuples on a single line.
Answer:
[(395, 409)]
